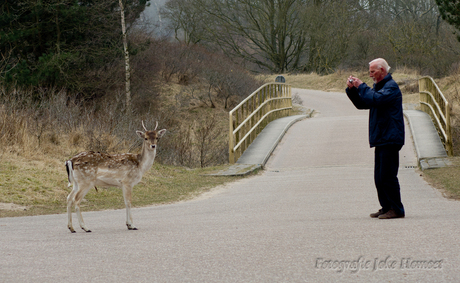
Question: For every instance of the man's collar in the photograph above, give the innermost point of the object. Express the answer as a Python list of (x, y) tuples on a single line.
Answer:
[(380, 84)]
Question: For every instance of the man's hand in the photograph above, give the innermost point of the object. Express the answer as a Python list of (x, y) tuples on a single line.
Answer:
[(353, 82)]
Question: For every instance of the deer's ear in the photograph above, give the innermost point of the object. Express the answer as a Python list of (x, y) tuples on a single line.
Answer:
[(141, 134), (160, 133)]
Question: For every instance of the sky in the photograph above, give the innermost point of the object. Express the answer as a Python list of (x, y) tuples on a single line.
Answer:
[(150, 17)]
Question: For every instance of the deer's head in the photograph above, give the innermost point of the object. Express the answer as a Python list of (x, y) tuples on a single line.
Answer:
[(151, 137)]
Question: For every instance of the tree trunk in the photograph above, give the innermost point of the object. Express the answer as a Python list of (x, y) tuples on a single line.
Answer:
[(127, 66)]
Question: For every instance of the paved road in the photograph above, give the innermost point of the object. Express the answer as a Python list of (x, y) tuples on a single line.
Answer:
[(304, 219)]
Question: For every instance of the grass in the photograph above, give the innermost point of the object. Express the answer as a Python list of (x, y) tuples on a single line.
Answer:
[(37, 187), (37, 184), (446, 179)]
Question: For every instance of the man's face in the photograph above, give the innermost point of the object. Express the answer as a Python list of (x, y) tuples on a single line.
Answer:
[(376, 73)]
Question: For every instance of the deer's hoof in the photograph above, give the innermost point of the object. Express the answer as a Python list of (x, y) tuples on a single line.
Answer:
[(71, 229), (131, 227)]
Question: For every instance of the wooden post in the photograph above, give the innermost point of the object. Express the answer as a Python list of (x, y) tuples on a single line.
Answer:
[(231, 156), (449, 146)]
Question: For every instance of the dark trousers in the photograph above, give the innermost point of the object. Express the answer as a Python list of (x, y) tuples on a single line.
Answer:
[(386, 177)]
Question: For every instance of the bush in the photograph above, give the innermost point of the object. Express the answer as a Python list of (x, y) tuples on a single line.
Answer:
[(173, 84)]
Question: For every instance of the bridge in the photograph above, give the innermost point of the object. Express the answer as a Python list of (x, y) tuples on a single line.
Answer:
[(304, 218)]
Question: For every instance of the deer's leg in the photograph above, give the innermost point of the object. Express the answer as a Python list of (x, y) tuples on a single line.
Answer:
[(70, 201), (78, 198), (127, 192)]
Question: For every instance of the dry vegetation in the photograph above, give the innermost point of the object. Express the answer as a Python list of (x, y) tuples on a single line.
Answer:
[(446, 179), (39, 186), (185, 87), (41, 128), (407, 80), (36, 139)]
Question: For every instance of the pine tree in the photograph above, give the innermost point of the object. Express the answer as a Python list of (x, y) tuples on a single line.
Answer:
[(55, 43), (450, 12)]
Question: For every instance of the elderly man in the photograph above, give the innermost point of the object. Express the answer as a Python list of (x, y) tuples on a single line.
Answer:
[(386, 133)]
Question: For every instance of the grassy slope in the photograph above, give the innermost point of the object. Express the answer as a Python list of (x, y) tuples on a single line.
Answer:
[(446, 179), (40, 185)]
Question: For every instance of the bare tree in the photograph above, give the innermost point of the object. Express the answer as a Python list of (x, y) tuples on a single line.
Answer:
[(267, 33), (126, 54), (328, 43), (210, 140), (186, 20)]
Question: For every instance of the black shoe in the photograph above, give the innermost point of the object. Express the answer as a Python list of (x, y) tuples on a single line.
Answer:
[(377, 214), (391, 214)]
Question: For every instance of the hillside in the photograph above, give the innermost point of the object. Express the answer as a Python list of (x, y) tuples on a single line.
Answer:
[(33, 178)]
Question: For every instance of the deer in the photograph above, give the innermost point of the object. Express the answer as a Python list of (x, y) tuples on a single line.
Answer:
[(95, 169)]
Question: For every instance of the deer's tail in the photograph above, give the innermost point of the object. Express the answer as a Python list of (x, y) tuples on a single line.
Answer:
[(69, 168)]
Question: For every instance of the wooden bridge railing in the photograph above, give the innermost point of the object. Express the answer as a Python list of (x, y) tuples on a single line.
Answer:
[(271, 101), (434, 103)]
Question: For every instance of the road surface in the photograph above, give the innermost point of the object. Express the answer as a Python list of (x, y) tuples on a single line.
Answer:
[(304, 219)]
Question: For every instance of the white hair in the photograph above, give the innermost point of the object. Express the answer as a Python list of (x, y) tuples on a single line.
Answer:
[(381, 63)]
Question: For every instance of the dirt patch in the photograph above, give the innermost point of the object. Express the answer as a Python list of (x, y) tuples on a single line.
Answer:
[(12, 207)]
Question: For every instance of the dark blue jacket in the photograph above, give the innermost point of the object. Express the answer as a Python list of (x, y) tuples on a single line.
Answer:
[(384, 100)]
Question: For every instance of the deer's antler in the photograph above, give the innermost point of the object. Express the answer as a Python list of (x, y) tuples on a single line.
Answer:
[(144, 125)]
